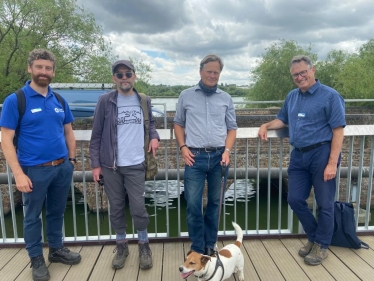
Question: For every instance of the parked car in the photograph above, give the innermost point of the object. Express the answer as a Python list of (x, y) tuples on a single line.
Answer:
[(83, 102)]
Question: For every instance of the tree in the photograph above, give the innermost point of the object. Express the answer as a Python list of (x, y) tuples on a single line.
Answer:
[(271, 77), (58, 25), (328, 71), (356, 79), (143, 75)]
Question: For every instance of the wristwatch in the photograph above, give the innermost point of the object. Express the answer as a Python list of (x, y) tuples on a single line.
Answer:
[(73, 160)]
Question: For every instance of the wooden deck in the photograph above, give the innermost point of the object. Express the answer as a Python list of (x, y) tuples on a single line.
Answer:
[(267, 259)]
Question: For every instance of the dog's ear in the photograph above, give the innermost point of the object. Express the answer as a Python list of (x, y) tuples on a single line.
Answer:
[(189, 252), (204, 259)]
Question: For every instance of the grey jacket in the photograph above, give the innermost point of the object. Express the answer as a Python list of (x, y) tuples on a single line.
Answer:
[(103, 144)]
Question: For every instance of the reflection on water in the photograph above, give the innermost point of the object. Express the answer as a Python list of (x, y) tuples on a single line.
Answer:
[(156, 191), (243, 191)]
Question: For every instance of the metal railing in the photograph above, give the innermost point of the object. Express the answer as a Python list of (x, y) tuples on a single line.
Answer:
[(254, 198)]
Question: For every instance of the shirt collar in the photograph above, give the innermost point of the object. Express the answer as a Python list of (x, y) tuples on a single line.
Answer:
[(32, 92), (312, 89)]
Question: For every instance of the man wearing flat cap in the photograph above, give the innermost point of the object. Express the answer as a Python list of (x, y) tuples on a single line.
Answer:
[(117, 158)]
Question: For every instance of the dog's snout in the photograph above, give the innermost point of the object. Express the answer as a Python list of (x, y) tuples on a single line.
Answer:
[(180, 268)]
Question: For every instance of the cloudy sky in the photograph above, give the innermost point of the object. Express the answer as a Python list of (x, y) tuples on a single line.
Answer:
[(174, 35)]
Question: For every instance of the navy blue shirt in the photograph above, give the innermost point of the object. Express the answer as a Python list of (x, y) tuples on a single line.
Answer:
[(41, 138), (312, 115)]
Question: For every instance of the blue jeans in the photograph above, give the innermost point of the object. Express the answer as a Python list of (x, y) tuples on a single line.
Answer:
[(306, 170), (50, 185), (203, 228)]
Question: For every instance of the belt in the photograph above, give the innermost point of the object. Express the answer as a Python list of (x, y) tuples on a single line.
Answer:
[(207, 149), (310, 147), (53, 163)]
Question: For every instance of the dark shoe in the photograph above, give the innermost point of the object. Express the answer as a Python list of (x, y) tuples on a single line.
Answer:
[(210, 252), (122, 250), (316, 255), (39, 269), (304, 251), (63, 255), (145, 256)]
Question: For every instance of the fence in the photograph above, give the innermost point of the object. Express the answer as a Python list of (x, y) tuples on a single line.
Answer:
[(255, 197)]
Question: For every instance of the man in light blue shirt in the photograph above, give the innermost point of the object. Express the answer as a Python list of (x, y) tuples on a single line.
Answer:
[(205, 129), (314, 114)]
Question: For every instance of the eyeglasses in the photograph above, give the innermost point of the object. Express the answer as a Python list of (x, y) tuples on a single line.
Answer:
[(302, 73), (120, 75)]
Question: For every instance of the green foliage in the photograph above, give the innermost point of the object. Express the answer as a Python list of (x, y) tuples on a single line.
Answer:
[(143, 70), (58, 25), (328, 71), (356, 79), (174, 91), (351, 74), (271, 77)]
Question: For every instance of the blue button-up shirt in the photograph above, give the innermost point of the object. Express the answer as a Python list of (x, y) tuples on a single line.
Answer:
[(312, 115), (206, 118)]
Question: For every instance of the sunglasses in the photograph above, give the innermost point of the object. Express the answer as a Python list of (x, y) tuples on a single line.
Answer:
[(120, 75)]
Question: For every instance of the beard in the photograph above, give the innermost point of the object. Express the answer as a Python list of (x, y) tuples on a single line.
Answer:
[(42, 80), (126, 88)]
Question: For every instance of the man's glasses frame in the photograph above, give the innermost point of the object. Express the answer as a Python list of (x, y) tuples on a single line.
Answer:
[(301, 73), (120, 75)]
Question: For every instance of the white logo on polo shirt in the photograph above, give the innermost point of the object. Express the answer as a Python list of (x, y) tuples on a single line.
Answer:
[(57, 110)]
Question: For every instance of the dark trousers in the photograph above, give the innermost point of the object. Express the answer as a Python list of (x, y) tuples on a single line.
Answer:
[(306, 169), (128, 180), (50, 185)]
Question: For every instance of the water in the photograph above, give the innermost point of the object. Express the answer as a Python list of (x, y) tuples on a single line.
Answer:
[(170, 103), (156, 201)]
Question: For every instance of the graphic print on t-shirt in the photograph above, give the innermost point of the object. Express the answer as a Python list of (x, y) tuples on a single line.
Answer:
[(129, 115)]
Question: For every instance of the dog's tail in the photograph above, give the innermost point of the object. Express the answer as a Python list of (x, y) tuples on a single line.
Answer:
[(239, 234)]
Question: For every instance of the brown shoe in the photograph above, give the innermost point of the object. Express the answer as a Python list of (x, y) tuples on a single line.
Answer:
[(122, 251), (305, 250), (316, 255), (145, 256)]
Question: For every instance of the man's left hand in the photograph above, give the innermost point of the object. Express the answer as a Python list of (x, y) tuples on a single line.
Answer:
[(226, 158), (153, 146), (330, 172)]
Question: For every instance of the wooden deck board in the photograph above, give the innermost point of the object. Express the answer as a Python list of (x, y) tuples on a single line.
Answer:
[(173, 259), (268, 259), (82, 270), (354, 262), (284, 260), (15, 265), (263, 263), (293, 246), (103, 268), (6, 255), (155, 273), (131, 269)]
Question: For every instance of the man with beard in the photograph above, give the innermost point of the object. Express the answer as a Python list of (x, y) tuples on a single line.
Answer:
[(43, 162), (117, 154)]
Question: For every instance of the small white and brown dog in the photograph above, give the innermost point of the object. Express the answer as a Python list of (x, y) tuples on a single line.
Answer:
[(228, 261)]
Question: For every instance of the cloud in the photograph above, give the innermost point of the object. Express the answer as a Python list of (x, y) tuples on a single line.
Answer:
[(174, 35)]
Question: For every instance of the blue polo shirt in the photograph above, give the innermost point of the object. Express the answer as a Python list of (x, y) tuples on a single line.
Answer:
[(41, 138), (312, 115)]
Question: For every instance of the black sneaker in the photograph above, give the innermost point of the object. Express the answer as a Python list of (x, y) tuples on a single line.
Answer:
[(210, 252), (39, 269), (63, 255)]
